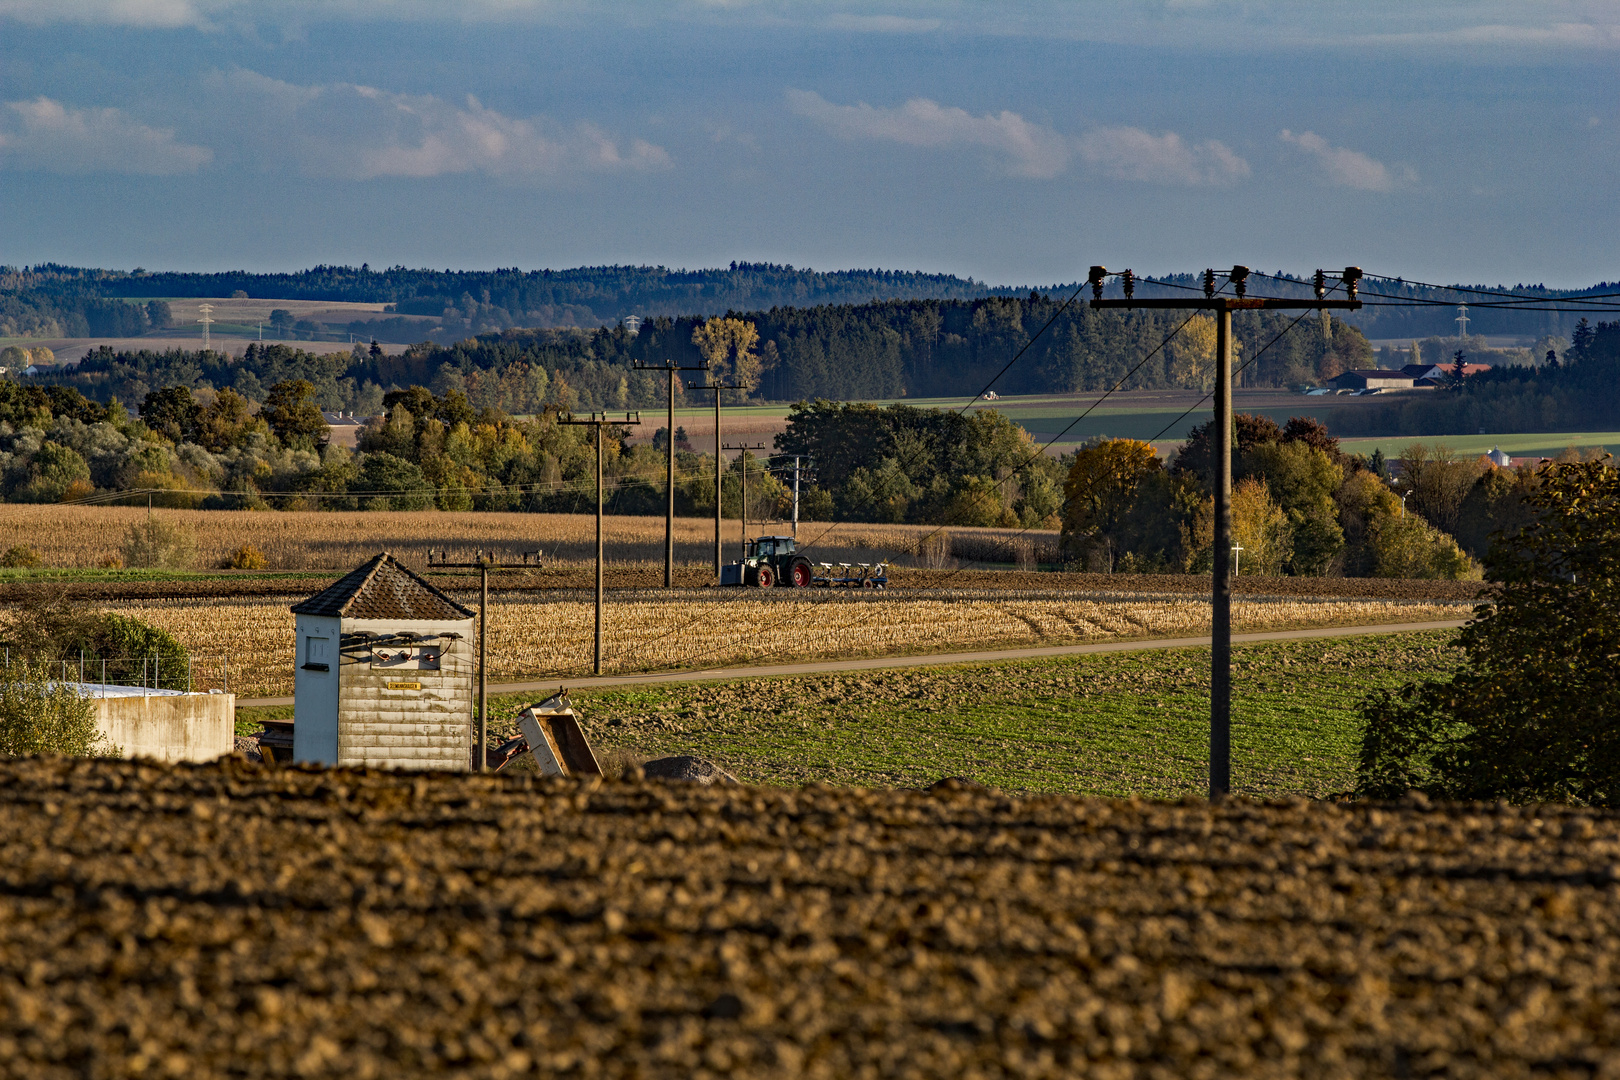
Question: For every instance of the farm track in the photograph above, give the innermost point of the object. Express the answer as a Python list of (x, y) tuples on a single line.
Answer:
[(230, 919), (650, 576)]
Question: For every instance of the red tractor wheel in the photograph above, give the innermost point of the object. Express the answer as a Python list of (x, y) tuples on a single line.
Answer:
[(799, 576), (767, 577)]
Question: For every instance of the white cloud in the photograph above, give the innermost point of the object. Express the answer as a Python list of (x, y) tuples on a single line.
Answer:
[(1025, 149), (1133, 154), (882, 24), (1348, 168), (362, 133), (46, 135)]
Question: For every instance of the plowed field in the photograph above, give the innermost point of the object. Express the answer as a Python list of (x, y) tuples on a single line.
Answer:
[(230, 920)]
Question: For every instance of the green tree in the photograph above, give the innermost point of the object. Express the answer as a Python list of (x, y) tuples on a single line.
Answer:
[(388, 482), (293, 415), (1533, 714), (53, 471)]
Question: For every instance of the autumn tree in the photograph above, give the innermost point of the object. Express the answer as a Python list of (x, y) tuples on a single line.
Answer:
[(728, 347), (1192, 353), (1099, 494)]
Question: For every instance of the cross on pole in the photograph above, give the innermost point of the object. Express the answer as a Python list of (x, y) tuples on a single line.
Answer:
[(1237, 560), (719, 464), (669, 517), (600, 421), (1220, 683)]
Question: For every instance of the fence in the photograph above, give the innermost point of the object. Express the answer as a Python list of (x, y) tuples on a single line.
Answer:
[(195, 675)]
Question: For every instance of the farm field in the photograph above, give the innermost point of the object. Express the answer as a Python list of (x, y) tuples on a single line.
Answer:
[(1112, 724), (86, 536), (1135, 414), (1535, 444), (552, 637), (242, 920)]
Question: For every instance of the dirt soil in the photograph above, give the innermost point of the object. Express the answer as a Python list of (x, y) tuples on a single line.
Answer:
[(235, 919), (651, 576)]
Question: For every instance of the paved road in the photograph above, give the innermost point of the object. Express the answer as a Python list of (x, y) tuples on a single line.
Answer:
[(931, 660)]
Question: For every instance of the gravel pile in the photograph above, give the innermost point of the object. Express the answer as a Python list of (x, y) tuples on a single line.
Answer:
[(239, 920)]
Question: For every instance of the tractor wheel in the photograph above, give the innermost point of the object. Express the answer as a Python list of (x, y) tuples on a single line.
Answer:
[(799, 575), (766, 577)]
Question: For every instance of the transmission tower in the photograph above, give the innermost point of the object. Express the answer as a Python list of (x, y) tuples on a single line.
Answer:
[(1462, 322), (206, 320)]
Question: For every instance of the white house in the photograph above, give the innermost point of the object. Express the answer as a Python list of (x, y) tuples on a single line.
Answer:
[(384, 673)]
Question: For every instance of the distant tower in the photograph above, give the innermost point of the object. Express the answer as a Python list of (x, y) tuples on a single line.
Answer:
[(206, 320), (1462, 322), (632, 323)]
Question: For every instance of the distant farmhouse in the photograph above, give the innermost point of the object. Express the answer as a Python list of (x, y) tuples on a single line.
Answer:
[(1419, 376)]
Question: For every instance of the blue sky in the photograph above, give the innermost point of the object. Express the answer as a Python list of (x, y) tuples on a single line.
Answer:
[(1017, 143)]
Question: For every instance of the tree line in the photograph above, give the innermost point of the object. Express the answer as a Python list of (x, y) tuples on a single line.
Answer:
[(885, 350), (1579, 391)]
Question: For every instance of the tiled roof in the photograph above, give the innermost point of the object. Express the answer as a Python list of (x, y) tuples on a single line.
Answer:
[(383, 589)]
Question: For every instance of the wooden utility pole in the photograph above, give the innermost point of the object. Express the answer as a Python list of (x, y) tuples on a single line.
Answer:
[(671, 368), (438, 559), (600, 421), (719, 467), (1220, 683), (741, 449)]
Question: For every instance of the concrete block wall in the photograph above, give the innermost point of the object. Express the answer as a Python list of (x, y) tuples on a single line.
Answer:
[(168, 727)]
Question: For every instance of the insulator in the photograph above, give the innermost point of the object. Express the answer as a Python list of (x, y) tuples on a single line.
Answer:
[(1321, 284), (1240, 279), (1128, 281), (1209, 284), (1098, 273)]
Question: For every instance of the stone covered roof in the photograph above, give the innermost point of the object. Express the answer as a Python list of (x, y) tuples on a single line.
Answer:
[(383, 589)]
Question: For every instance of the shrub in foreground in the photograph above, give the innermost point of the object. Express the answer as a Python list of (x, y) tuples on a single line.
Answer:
[(39, 715), (1533, 715)]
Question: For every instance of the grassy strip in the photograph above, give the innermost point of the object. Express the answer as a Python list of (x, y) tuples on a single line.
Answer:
[(1114, 724)]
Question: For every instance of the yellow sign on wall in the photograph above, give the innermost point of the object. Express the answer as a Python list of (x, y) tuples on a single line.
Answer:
[(404, 686)]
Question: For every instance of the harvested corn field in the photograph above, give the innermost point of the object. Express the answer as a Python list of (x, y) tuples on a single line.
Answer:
[(531, 638), (90, 536), (234, 920)]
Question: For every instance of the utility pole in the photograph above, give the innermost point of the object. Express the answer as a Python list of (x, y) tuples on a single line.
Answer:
[(440, 560), (797, 458), (741, 449), (669, 516), (1220, 683), (600, 421), (719, 466)]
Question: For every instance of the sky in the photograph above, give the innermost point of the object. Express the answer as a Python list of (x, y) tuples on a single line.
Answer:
[(1445, 141)]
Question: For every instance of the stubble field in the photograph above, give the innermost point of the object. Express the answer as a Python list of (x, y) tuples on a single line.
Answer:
[(553, 637), (237, 920)]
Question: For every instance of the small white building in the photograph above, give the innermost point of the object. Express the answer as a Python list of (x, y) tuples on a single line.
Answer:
[(384, 673)]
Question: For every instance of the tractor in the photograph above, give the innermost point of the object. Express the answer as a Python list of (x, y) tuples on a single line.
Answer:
[(770, 560)]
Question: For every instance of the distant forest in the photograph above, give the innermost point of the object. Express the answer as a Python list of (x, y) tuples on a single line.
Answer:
[(889, 350), (49, 300)]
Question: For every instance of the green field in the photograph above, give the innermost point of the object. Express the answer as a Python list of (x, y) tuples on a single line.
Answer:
[(1111, 724), (1535, 444)]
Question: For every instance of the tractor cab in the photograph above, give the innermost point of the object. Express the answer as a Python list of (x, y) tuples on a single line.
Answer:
[(769, 547)]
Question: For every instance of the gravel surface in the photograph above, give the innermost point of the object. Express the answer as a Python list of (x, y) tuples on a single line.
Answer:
[(239, 920)]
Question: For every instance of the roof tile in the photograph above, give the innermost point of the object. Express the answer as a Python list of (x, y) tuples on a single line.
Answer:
[(382, 588)]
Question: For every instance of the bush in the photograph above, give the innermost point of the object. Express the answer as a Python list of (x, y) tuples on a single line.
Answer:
[(21, 556), (246, 557), (156, 543), (41, 716), (1533, 715)]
